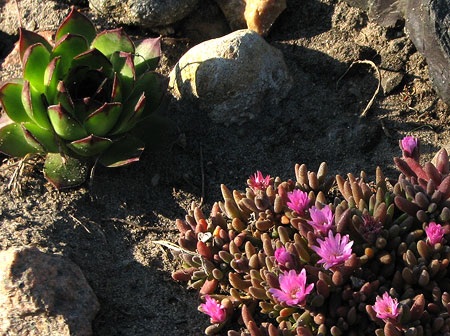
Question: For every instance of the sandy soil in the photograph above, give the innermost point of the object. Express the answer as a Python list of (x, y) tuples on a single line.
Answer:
[(108, 229)]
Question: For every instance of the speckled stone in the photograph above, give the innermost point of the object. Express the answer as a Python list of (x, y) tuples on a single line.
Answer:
[(42, 294), (232, 78), (145, 13)]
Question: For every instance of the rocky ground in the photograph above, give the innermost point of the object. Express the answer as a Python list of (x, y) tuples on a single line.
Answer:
[(107, 229)]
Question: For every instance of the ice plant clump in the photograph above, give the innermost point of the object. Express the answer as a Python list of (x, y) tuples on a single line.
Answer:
[(322, 219), (258, 181), (386, 308), (333, 249), (85, 98), (282, 256), (434, 232), (257, 246), (299, 201), (293, 288), (214, 309)]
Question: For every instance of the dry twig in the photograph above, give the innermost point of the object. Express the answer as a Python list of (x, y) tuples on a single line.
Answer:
[(373, 65)]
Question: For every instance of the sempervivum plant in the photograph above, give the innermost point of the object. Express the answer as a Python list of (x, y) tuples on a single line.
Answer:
[(302, 258), (83, 99)]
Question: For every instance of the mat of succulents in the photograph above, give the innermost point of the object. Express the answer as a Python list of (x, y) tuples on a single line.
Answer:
[(348, 233)]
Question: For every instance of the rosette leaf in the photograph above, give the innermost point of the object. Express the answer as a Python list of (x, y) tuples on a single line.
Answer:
[(81, 99)]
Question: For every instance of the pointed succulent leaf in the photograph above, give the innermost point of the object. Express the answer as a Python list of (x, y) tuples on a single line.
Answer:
[(33, 104), (124, 66), (147, 55), (32, 140), (45, 138), (94, 60), (64, 172), (110, 41), (76, 23), (28, 38), (116, 92), (103, 119), (131, 112), (154, 85), (122, 152), (13, 141), (63, 98), (90, 146), (35, 61), (68, 47), (52, 75), (11, 101), (65, 125)]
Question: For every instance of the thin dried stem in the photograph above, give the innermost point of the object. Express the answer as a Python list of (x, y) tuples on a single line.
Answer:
[(19, 16), (371, 101)]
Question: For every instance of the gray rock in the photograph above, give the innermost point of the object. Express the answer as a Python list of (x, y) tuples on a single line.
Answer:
[(43, 294), (232, 78), (145, 13), (428, 25), (390, 80)]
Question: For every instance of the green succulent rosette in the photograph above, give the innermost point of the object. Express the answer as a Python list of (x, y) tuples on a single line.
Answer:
[(84, 99)]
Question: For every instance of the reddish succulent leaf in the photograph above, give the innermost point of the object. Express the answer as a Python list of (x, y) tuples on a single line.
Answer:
[(63, 98), (209, 286), (110, 41), (123, 65), (52, 76), (46, 139), (417, 168), (65, 125), (93, 59), (64, 172), (442, 163), (35, 60), (90, 146), (34, 106), (406, 206), (103, 119), (28, 38), (11, 101), (76, 23), (122, 152), (68, 47), (13, 141), (147, 55)]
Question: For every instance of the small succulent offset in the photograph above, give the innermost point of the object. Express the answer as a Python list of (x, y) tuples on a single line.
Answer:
[(367, 258), (87, 98)]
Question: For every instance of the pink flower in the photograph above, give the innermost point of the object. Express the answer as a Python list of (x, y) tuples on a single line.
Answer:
[(258, 182), (293, 291), (282, 256), (299, 201), (214, 309), (322, 220), (435, 232), (408, 145), (333, 250), (386, 307)]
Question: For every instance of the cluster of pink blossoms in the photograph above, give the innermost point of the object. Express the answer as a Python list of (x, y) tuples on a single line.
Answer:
[(299, 201)]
